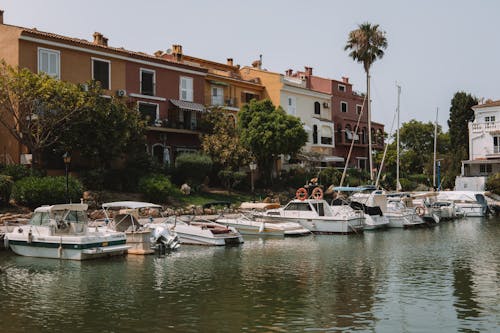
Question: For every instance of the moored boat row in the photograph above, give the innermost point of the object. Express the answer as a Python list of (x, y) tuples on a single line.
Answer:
[(65, 232)]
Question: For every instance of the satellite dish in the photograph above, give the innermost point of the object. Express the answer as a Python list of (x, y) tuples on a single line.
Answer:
[(169, 51)]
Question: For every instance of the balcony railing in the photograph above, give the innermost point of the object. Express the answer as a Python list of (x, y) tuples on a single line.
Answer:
[(221, 101), (485, 127)]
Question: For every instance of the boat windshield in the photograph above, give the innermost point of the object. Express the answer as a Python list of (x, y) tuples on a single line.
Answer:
[(76, 216), (302, 206), (41, 218)]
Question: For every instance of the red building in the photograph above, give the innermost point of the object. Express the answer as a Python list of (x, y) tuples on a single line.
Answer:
[(347, 107)]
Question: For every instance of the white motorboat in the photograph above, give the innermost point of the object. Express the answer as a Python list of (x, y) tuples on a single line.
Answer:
[(374, 217), (394, 210), (62, 232), (197, 231), (471, 203), (258, 226), (317, 216), (144, 238)]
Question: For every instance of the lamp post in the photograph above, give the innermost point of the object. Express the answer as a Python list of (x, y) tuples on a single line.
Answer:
[(253, 167), (67, 160)]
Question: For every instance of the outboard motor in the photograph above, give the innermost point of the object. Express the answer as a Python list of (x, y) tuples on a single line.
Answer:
[(482, 200), (162, 239)]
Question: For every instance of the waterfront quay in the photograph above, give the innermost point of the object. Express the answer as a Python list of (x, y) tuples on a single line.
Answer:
[(442, 279)]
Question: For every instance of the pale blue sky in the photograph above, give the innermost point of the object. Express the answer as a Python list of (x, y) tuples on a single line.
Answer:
[(435, 47)]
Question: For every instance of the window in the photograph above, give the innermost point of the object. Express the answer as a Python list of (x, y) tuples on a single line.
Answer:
[(341, 88), (317, 108), (326, 135), (339, 134), (217, 96), (246, 97), (291, 109), (343, 106), (49, 62), (149, 112), (359, 108), (148, 79), (315, 134), (186, 89), (101, 70), (496, 144), (485, 168)]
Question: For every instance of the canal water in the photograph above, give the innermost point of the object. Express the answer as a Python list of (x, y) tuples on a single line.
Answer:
[(443, 279)]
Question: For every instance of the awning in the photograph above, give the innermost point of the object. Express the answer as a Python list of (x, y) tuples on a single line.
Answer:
[(184, 105), (332, 159)]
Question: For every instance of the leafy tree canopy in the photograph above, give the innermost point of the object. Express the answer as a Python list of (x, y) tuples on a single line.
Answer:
[(33, 107), (104, 130), (460, 114), (268, 132), (221, 141)]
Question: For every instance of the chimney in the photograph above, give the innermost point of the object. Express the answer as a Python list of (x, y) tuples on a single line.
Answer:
[(1, 16), (158, 53), (289, 72), (345, 79), (230, 61), (309, 71), (99, 39), (177, 52)]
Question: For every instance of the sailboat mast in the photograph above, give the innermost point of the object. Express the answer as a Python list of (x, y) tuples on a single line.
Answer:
[(397, 143), (435, 145)]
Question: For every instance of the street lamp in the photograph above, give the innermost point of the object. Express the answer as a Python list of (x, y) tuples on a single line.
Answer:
[(253, 167), (67, 160)]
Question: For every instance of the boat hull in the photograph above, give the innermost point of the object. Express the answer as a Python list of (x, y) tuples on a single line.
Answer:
[(45, 242)]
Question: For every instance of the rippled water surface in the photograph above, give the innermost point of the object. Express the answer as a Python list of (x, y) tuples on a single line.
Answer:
[(444, 279)]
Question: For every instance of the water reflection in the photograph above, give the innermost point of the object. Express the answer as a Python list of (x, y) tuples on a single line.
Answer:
[(445, 278)]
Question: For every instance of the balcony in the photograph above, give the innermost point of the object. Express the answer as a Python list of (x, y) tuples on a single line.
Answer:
[(485, 127), (221, 101)]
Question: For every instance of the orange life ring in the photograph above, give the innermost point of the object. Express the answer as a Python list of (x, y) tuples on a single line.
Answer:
[(420, 210), (317, 193), (301, 194)]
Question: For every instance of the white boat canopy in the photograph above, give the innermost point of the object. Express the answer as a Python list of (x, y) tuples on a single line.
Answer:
[(52, 208), (130, 205)]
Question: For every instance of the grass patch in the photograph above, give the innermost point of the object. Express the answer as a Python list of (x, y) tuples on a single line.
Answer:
[(201, 198)]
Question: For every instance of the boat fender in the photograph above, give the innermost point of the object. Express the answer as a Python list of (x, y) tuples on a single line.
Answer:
[(60, 248), (30, 236), (317, 193), (420, 210), (261, 228), (301, 194)]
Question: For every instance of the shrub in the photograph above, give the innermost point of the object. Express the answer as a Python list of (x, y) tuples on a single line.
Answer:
[(5, 189), (493, 183), (157, 188), (16, 171), (192, 168), (329, 176), (230, 178), (36, 191)]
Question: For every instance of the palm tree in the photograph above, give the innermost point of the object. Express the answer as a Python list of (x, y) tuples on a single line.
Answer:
[(367, 44)]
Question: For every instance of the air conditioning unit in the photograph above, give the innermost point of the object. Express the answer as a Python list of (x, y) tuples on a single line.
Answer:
[(326, 105), (158, 122), (121, 93)]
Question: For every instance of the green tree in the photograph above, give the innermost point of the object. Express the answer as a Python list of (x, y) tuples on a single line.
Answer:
[(268, 132), (34, 107), (104, 130), (221, 141), (461, 114), (366, 44), (417, 152)]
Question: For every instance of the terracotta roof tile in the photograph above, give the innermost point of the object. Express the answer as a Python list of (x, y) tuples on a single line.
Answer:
[(121, 50), (487, 104)]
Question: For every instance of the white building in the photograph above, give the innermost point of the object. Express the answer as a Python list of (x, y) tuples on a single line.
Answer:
[(484, 148)]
